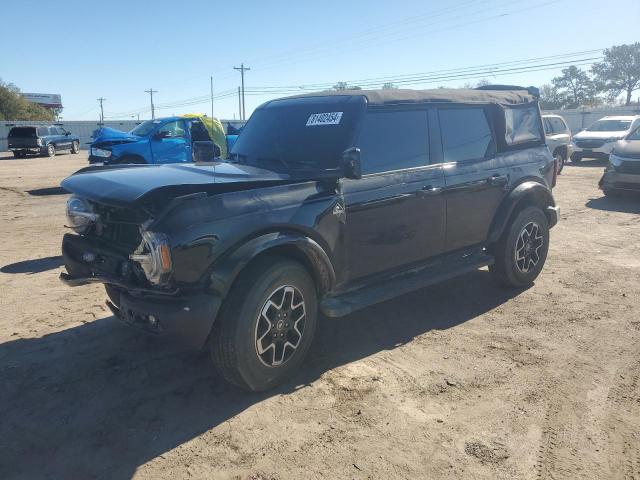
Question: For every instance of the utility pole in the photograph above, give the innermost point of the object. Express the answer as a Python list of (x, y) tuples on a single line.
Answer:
[(211, 97), (239, 105), (242, 69), (101, 109), (151, 91)]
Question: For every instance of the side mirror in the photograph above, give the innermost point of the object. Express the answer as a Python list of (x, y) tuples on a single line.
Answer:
[(350, 163), (216, 151), (66, 134)]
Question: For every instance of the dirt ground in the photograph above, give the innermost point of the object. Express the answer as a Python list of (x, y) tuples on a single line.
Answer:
[(461, 380)]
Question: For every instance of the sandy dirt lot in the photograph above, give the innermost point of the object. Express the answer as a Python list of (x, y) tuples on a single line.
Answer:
[(461, 380)]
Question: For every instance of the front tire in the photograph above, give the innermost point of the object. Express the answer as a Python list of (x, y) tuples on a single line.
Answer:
[(75, 147), (266, 324), (50, 150), (522, 249)]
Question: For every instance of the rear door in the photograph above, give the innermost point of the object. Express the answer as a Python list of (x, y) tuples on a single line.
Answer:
[(170, 143), (476, 181), (395, 212)]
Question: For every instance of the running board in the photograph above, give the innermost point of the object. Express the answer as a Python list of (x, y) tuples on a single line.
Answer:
[(348, 302)]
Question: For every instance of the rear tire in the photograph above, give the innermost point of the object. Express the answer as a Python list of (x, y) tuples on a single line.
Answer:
[(522, 249), (75, 147), (559, 162), (266, 324), (575, 158), (17, 154)]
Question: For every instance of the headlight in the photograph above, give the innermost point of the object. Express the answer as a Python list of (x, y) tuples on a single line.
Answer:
[(154, 256), (39, 142), (80, 215), (101, 152), (615, 160)]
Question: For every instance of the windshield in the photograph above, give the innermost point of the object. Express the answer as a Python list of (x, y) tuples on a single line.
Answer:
[(610, 126), (145, 128), (298, 136), (635, 135)]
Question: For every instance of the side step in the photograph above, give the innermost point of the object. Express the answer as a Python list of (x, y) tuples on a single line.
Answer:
[(415, 279)]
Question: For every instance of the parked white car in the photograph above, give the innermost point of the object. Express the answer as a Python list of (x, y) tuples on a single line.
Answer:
[(598, 140), (559, 139)]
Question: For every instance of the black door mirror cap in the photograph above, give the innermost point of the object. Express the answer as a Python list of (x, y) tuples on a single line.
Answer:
[(350, 162)]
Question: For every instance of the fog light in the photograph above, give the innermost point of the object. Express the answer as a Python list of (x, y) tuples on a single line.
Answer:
[(88, 257), (153, 321)]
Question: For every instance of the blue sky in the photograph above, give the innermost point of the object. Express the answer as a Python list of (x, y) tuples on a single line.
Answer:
[(119, 49)]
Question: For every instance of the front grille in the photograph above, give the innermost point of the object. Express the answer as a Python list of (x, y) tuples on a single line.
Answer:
[(589, 143)]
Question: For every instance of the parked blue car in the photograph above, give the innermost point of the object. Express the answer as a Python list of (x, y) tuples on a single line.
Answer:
[(41, 140), (163, 140)]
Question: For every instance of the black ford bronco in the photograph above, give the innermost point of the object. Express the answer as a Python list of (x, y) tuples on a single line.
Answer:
[(329, 203)]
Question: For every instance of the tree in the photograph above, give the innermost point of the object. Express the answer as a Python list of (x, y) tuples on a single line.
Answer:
[(389, 86), (619, 71), (550, 98), (575, 86), (345, 86), (13, 106)]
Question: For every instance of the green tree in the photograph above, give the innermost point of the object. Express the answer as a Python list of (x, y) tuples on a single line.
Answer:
[(13, 105), (550, 98), (389, 86), (619, 71), (575, 86), (345, 86)]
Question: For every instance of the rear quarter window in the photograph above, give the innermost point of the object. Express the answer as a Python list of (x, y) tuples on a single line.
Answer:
[(522, 125), (466, 134)]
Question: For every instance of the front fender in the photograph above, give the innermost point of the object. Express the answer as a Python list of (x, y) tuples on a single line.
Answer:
[(532, 192), (226, 270)]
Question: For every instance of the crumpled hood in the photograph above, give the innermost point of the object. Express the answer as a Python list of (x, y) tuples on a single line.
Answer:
[(110, 136), (599, 135), (123, 185), (627, 148)]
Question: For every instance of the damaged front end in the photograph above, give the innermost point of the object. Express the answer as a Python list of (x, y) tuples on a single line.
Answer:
[(114, 246)]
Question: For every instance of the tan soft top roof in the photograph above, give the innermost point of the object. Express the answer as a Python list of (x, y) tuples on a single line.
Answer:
[(438, 95)]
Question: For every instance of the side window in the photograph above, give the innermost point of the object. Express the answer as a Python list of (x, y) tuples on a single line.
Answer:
[(60, 130), (43, 131), (53, 131), (548, 130), (558, 125), (466, 134), (394, 140), (173, 129)]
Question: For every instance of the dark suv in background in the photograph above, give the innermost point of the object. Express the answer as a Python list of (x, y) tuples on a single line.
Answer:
[(329, 203), (42, 140)]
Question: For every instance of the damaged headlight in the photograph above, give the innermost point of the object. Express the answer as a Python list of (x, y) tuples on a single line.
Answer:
[(100, 152), (154, 256), (80, 215)]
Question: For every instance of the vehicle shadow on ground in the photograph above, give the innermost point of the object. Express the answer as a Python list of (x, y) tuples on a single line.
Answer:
[(623, 203), (99, 400), (33, 266), (43, 192)]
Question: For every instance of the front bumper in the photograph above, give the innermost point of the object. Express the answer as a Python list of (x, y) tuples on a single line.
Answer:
[(553, 214), (602, 151), (187, 318), (612, 180)]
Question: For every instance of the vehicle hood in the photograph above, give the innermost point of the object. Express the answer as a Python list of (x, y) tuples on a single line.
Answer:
[(627, 148), (600, 135), (111, 136), (124, 185)]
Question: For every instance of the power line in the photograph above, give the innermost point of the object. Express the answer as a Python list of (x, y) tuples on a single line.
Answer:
[(242, 69), (151, 91)]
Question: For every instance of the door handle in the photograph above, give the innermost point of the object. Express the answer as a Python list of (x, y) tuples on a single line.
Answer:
[(497, 180), (429, 190)]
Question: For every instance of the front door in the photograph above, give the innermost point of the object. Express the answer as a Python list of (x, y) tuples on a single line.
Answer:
[(395, 212), (170, 143), (476, 181)]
